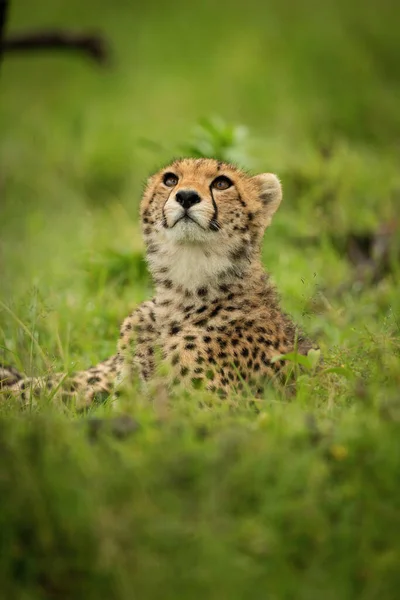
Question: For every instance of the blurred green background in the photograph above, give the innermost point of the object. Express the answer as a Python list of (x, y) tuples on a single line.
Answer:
[(300, 501)]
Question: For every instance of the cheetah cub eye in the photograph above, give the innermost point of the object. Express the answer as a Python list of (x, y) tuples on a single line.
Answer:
[(170, 180), (222, 183)]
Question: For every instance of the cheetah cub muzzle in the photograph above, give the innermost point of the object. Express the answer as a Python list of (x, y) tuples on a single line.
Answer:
[(215, 316)]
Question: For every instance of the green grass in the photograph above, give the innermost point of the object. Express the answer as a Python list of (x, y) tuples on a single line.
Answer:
[(283, 498)]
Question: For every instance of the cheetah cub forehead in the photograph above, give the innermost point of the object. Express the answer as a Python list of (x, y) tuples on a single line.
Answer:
[(202, 217)]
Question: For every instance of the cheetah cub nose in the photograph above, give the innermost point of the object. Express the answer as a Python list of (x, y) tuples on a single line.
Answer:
[(187, 198)]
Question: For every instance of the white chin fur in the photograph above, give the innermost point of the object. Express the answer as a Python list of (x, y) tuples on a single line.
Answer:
[(194, 257)]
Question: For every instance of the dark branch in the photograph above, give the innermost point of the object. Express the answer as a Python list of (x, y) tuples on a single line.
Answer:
[(3, 20), (93, 46)]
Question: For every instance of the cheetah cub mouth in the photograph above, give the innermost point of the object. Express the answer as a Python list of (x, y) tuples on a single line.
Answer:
[(203, 217)]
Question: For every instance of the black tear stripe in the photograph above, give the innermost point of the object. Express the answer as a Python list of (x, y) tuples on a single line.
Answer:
[(164, 218), (214, 225)]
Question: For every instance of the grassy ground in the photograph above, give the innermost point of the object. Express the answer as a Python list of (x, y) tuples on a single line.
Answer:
[(202, 498)]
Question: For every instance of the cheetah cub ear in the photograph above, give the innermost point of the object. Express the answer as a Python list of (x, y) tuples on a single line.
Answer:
[(269, 192)]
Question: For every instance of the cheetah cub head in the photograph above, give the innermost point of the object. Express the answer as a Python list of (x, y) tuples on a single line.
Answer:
[(202, 218)]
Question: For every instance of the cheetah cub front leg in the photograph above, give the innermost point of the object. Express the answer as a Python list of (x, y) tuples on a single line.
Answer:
[(136, 346)]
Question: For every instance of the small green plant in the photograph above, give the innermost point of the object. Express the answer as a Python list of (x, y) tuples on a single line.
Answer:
[(212, 136), (310, 362)]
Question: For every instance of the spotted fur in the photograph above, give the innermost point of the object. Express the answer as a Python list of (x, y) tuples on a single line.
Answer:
[(215, 316)]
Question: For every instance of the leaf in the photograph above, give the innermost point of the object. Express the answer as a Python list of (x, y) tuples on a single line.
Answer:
[(298, 359), (343, 371), (314, 357)]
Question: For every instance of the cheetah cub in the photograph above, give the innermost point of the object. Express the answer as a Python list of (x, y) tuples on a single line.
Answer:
[(215, 317)]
